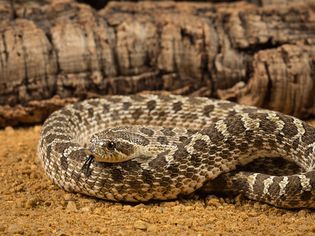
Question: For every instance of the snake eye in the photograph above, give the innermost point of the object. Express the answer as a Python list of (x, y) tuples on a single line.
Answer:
[(111, 145)]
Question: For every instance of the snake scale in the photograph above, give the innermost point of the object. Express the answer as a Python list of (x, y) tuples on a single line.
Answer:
[(200, 144)]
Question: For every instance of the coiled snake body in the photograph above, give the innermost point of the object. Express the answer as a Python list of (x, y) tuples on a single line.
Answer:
[(174, 145)]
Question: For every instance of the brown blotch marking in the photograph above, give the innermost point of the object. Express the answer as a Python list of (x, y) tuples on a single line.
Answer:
[(181, 152), (126, 105), (90, 112), (309, 135), (131, 166), (106, 108), (200, 145), (307, 195), (213, 133), (147, 131), (64, 162), (294, 184), (137, 113), (241, 185), (168, 131), (264, 124), (208, 109), (234, 125), (116, 175), (162, 114), (289, 128), (183, 138), (259, 184), (274, 188), (162, 140), (147, 177), (151, 105), (159, 161), (177, 106)]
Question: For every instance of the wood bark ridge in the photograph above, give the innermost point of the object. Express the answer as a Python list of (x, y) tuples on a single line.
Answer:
[(61, 52)]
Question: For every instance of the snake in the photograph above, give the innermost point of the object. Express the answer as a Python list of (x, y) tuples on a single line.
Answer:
[(147, 147)]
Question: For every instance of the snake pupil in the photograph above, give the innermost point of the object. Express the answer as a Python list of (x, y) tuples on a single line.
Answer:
[(111, 145)]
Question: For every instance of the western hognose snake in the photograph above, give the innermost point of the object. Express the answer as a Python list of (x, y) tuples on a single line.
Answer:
[(162, 147)]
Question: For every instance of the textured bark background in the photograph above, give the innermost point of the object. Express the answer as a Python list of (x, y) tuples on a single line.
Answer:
[(59, 51)]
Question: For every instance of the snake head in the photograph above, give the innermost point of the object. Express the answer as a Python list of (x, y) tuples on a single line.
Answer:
[(114, 145), (109, 150)]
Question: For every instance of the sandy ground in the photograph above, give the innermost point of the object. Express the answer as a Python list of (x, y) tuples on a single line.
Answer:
[(31, 205)]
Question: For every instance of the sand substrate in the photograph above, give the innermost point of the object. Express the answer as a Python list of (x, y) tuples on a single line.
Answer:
[(30, 204)]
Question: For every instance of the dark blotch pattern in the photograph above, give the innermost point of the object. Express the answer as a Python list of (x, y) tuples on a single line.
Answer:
[(137, 113), (126, 105), (181, 152), (309, 135), (147, 131), (200, 146), (289, 128), (160, 161), (162, 140), (116, 175), (151, 105), (90, 112), (177, 106), (148, 177), (208, 109), (213, 133), (235, 125)]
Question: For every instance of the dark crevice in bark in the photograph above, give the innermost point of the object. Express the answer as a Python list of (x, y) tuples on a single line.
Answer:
[(254, 48), (96, 4)]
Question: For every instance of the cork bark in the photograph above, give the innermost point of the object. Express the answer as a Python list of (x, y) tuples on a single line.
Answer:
[(57, 52)]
